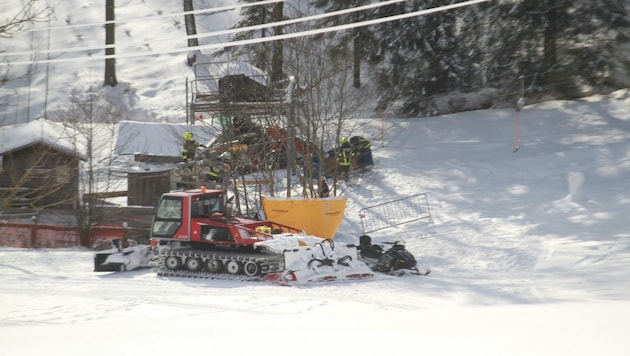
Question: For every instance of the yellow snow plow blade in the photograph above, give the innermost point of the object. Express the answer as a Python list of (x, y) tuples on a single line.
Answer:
[(318, 217)]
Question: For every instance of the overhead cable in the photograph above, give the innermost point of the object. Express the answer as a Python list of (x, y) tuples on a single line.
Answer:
[(161, 16), (260, 40), (213, 33)]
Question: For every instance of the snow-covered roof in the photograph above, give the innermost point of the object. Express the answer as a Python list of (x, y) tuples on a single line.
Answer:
[(207, 67), (208, 72), (128, 164), (160, 138), (50, 133)]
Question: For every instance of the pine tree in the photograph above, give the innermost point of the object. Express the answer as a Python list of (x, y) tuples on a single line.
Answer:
[(266, 55), (557, 48), (562, 48), (360, 37), (422, 57)]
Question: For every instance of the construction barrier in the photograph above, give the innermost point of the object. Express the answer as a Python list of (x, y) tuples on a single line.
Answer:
[(24, 235), (395, 212)]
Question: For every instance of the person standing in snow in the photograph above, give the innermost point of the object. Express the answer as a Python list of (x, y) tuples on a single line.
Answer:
[(344, 158)]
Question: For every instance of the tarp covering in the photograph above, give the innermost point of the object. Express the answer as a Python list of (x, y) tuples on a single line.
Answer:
[(318, 217), (161, 138)]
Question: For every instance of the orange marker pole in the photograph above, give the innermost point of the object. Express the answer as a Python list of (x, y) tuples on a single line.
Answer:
[(382, 127), (517, 122), (516, 125)]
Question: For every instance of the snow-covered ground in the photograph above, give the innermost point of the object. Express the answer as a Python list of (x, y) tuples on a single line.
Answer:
[(529, 253), (66, 55)]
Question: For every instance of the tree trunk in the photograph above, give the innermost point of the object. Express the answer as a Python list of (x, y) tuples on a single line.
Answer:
[(357, 53), (550, 56), (191, 26), (276, 59), (110, 39)]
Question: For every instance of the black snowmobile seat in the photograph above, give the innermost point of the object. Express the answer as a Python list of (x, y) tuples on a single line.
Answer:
[(365, 240), (367, 249)]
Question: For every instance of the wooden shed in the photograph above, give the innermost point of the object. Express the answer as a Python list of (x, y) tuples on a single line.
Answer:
[(144, 188), (39, 165)]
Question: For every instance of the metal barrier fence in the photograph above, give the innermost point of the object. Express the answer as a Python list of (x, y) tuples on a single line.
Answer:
[(395, 212)]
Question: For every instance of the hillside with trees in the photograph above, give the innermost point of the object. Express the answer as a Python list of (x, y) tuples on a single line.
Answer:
[(550, 49), (484, 54)]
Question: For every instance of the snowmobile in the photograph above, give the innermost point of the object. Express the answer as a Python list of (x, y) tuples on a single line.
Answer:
[(395, 260)]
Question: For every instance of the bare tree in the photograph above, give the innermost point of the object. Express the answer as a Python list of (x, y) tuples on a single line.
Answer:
[(316, 108), (39, 176), (14, 23), (93, 120), (29, 13), (323, 100)]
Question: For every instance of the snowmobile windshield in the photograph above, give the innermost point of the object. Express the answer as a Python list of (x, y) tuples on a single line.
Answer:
[(169, 208), (206, 205), (168, 217)]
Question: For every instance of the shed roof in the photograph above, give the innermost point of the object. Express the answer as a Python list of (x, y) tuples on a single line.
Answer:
[(160, 138), (50, 133)]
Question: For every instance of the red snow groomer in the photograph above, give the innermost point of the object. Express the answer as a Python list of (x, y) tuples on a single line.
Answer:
[(195, 234)]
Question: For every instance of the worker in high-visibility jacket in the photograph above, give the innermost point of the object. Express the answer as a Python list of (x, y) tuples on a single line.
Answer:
[(344, 158), (190, 147), (214, 176)]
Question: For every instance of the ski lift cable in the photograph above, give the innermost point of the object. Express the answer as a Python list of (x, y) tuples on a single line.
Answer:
[(257, 40), (236, 43), (161, 16), (297, 20), (210, 34)]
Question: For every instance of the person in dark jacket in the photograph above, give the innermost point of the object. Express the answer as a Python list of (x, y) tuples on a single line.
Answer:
[(361, 148), (324, 190), (344, 158)]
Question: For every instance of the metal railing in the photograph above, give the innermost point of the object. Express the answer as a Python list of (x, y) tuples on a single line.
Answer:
[(395, 212)]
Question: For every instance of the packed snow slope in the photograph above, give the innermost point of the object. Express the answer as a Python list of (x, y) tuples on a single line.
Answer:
[(529, 254), (152, 70)]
